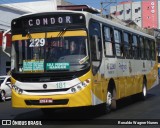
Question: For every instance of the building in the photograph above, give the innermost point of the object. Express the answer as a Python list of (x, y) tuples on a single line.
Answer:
[(144, 13), (14, 10)]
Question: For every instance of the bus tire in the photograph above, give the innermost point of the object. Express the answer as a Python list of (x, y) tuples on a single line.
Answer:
[(143, 94), (2, 96), (111, 100)]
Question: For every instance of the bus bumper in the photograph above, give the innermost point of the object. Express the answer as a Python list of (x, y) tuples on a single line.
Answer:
[(78, 99)]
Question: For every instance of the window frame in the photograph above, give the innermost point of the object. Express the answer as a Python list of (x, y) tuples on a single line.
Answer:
[(118, 43), (130, 55), (111, 41), (95, 68), (147, 48), (153, 50), (135, 46), (140, 48)]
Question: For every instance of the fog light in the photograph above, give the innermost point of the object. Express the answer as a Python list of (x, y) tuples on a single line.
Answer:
[(79, 87), (73, 89), (83, 84), (17, 89)]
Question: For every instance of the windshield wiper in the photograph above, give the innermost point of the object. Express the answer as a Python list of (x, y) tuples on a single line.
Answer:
[(62, 32), (27, 33)]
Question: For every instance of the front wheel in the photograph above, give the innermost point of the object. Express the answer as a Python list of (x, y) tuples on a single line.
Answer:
[(111, 100), (2, 96)]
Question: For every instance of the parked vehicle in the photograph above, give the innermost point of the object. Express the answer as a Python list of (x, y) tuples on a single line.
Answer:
[(5, 88)]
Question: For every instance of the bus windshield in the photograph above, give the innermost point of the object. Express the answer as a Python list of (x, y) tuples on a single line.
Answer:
[(50, 54)]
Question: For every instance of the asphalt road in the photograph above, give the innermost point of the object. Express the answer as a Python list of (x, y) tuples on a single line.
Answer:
[(129, 110)]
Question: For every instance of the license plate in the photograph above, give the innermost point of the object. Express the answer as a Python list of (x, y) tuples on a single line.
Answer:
[(45, 100)]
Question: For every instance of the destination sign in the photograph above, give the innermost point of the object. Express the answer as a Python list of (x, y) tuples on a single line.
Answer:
[(48, 20), (57, 66), (33, 66)]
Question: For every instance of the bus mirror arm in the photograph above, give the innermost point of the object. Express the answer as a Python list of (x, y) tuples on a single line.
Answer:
[(4, 42)]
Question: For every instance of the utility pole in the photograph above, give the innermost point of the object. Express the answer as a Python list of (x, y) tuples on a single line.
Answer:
[(105, 4)]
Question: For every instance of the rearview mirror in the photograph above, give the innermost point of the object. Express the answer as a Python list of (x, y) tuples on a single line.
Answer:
[(4, 42)]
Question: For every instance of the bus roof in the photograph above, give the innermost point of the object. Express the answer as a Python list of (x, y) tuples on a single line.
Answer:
[(98, 18)]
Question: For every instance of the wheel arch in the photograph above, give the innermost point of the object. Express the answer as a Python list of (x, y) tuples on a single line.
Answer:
[(111, 84), (145, 80)]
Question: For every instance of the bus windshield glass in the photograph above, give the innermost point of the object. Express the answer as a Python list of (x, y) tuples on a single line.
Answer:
[(50, 54)]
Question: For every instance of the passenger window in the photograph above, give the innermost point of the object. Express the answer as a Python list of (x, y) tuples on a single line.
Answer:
[(135, 47), (147, 49), (153, 50), (118, 43), (127, 45), (141, 48), (108, 40)]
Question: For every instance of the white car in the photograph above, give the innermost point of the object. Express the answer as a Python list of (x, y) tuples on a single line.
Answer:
[(5, 88)]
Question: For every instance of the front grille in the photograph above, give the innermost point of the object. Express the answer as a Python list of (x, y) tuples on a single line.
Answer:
[(49, 90), (55, 102)]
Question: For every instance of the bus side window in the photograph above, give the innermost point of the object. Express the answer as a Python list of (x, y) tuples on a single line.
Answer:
[(135, 52), (118, 43), (141, 48), (147, 48), (108, 41), (127, 45), (153, 55)]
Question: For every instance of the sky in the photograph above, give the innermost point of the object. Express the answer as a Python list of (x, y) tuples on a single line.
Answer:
[(97, 3), (92, 3)]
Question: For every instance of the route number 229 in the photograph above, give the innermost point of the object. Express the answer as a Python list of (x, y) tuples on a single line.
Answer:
[(37, 42)]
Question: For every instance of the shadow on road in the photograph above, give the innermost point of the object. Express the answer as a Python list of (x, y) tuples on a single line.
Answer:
[(86, 113), (132, 100)]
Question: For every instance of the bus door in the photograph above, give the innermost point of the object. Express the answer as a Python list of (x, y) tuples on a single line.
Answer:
[(96, 56), (96, 70)]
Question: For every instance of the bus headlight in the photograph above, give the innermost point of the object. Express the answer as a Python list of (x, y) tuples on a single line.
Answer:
[(80, 86), (17, 89)]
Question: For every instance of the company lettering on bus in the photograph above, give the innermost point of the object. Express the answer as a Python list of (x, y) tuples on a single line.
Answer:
[(50, 21)]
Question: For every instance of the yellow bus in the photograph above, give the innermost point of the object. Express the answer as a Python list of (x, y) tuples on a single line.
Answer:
[(110, 61)]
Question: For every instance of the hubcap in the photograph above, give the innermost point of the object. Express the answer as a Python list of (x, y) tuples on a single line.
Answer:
[(109, 98), (3, 96), (144, 91)]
